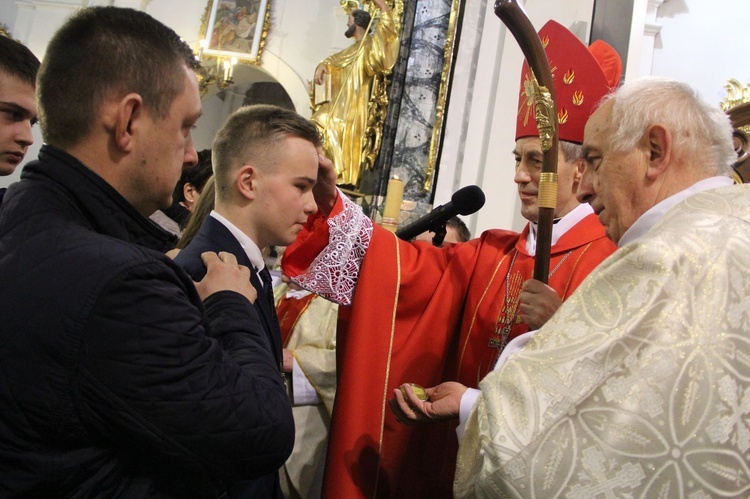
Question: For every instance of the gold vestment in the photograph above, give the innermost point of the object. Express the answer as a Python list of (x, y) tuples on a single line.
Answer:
[(313, 344), (639, 385)]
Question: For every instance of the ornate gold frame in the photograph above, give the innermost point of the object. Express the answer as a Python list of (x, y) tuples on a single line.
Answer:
[(260, 33), (437, 129)]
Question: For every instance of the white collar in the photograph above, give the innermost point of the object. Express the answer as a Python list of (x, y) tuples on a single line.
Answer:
[(248, 245), (561, 227), (656, 212)]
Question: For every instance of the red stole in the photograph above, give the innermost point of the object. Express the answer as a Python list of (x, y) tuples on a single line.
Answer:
[(289, 310)]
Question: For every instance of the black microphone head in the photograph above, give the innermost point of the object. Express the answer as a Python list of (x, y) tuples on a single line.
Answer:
[(468, 200)]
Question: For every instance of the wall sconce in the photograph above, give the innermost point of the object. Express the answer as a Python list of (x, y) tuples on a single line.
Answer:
[(215, 70)]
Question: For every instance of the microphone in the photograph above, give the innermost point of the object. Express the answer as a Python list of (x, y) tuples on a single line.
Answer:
[(465, 201)]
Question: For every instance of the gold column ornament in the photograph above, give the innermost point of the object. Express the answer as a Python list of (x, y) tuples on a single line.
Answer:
[(437, 127), (737, 107)]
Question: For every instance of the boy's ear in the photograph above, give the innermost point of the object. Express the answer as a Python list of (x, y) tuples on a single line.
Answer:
[(246, 181)]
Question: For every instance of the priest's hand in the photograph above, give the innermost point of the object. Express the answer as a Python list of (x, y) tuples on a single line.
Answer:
[(324, 190), (538, 302), (444, 403)]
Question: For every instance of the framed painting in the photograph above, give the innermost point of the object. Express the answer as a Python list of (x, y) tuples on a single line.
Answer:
[(235, 28)]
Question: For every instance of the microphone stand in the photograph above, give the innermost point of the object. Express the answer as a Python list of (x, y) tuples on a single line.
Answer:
[(437, 239)]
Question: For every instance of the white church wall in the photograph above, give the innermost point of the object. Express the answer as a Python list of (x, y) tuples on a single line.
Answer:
[(704, 44)]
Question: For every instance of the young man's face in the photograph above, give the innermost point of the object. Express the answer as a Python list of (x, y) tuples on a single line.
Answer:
[(285, 198), (528, 155), (17, 115)]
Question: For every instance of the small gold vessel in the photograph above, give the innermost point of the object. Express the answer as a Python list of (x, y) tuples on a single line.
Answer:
[(418, 391)]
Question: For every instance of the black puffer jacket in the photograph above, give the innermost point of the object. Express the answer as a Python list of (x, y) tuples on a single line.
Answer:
[(114, 379)]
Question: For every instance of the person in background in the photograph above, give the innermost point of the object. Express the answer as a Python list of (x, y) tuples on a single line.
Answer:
[(638, 385), (18, 114), (446, 314), (186, 194), (456, 231), (265, 162), (200, 211), (308, 325), (121, 377)]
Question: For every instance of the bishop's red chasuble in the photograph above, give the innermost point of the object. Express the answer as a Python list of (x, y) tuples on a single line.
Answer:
[(423, 315)]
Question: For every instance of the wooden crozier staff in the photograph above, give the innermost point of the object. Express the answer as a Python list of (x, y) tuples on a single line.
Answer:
[(545, 113)]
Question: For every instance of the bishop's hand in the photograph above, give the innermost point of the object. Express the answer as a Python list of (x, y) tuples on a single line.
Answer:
[(325, 191), (538, 303)]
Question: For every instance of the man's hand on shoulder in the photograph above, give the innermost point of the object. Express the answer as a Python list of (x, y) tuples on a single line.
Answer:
[(223, 273)]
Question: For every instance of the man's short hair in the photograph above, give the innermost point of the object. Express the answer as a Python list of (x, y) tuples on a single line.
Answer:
[(196, 175), (105, 52), (18, 61), (462, 231), (361, 18), (254, 134), (572, 152)]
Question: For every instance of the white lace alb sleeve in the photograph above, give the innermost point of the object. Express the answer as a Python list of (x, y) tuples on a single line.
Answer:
[(334, 272)]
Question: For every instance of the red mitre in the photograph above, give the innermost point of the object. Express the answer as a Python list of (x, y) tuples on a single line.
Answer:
[(581, 75)]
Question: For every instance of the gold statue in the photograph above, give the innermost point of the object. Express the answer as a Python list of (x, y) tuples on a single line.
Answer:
[(737, 106), (350, 112)]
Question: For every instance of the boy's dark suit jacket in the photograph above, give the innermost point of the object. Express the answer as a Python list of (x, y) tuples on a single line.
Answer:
[(214, 236)]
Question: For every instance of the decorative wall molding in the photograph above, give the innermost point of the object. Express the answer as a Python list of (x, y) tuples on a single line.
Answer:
[(645, 27), (69, 5), (652, 27)]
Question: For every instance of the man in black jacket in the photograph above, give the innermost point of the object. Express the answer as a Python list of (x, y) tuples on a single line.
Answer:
[(118, 375), (265, 163)]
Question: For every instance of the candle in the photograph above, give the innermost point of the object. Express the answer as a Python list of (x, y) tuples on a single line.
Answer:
[(393, 198), (231, 68), (227, 65), (202, 44)]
